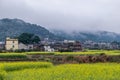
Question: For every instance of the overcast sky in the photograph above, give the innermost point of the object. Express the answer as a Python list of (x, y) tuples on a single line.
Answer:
[(67, 15)]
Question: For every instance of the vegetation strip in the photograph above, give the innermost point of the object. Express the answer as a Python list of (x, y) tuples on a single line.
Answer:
[(99, 71), (13, 55), (23, 65)]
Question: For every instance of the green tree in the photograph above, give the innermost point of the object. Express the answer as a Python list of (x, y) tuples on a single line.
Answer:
[(36, 39), (28, 38)]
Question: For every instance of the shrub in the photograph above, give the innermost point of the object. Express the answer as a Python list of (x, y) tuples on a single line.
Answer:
[(70, 58), (20, 51)]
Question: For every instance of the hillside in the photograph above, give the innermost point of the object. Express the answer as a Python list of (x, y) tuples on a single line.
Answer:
[(14, 27), (98, 36)]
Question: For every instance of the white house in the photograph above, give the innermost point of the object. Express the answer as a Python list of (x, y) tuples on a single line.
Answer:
[(48, 49)]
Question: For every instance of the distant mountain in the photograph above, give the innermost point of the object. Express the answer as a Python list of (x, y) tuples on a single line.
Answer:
[(98, 36), (14, 27)]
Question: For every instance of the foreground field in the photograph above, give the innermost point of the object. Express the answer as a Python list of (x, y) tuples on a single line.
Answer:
[(5, 68), (98, 71)]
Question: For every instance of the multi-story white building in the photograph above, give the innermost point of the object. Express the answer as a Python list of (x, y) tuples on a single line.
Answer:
[(11, 44)]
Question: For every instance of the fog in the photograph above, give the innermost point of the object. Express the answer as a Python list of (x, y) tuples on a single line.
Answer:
[(68, 15)]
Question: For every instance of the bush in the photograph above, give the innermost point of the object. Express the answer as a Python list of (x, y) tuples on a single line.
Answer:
[(68, 50), (20, 51), (70, 58)]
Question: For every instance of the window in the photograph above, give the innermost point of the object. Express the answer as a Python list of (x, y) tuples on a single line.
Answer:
[(13, 46)]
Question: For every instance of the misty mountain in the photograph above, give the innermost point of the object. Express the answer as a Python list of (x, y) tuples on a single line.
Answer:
[(98, 36), (14, 27)]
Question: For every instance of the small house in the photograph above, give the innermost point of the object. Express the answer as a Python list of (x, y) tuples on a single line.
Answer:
[(25, 46)]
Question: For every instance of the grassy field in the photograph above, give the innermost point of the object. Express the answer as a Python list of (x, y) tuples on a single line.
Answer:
[(7, 67), (23, 54), (46, 71), (13, 55), (108, 52)]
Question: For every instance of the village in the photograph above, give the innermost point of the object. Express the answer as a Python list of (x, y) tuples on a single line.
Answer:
[(46, 45), (11, 44)]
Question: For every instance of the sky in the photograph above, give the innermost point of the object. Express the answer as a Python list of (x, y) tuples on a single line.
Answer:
[(68, 15)]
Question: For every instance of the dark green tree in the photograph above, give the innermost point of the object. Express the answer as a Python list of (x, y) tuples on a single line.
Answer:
[(36, 39), (28, 38)]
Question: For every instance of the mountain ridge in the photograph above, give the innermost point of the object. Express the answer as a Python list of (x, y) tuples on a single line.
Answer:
[(15, 27), (97, 36)]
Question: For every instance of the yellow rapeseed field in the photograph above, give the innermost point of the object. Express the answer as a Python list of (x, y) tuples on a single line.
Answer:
[(96, 71)]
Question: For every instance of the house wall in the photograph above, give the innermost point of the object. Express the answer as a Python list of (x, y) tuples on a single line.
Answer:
[(25, 47), (22, 46), (11, 44)]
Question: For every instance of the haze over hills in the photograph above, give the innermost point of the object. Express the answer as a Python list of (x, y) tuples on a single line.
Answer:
[(98, 36), (14, 27)]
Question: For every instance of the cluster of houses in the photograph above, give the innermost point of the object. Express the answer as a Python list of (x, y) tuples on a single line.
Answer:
[(51, 46), (67, 45), (101, 45)]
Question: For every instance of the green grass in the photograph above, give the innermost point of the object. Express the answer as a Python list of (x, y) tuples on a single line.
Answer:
[(2, 74), (7, 67), (13, 55), (46, 71), (23, 65), (108, 52), (87, 52), (99, 71)]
